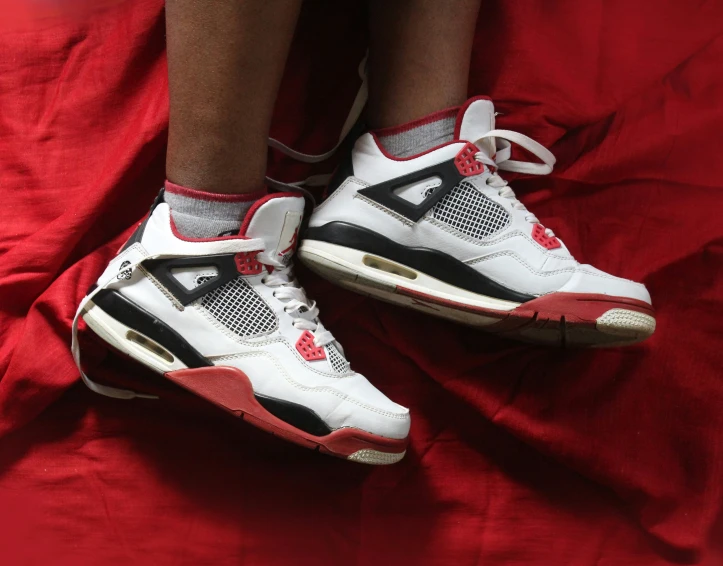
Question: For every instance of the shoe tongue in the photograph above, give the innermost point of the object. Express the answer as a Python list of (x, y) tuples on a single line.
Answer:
[(475, 119), (276, 219)]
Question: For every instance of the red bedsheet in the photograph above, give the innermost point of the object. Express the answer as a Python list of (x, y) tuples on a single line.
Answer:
[(519, 454)]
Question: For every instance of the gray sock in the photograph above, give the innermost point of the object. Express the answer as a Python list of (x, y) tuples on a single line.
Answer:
[(418, 136), (198, 214)]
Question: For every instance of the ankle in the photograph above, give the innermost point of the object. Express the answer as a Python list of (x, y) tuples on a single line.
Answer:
[(214, 180), (217, 165)]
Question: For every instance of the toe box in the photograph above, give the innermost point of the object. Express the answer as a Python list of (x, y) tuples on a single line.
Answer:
[(364, 407), (588, 279)]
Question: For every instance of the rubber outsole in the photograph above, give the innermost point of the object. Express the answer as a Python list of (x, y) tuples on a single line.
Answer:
[(562, 319), (231, 390)]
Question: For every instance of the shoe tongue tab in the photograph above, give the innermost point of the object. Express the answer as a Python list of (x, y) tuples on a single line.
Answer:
[(276, 219), (476, 118)]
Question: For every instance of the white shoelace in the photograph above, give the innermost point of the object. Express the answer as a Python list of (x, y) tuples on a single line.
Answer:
[(352, 118), (304, 312), (503, 140)]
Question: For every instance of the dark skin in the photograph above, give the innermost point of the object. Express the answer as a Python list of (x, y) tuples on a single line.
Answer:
[(419, 57), (225, 62), (226, 59)]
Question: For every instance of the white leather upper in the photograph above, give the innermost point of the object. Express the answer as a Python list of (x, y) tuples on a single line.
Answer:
[(277, 223), (510, 256), (270, 360)]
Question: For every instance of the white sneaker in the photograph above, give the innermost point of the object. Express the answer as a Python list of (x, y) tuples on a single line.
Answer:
[(443, 233), (225, 319)]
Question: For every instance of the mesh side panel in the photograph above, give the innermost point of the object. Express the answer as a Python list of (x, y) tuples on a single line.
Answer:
[(469, 211), (337, 361), (239, 308)]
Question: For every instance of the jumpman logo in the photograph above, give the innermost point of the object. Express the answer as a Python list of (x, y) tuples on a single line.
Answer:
[(292, 245)]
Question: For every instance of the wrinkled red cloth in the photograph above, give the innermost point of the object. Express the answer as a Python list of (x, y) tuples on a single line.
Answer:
[(519, 454)]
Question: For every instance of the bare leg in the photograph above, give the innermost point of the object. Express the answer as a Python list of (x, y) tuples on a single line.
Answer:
[(225, 62), (419, 57)]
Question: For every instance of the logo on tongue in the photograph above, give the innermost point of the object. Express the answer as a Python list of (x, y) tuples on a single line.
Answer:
[(292, 244), (289, 236)]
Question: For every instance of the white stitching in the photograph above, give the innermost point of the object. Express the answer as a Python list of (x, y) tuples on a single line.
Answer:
[(324, 389), (391, 213), (522, 261)]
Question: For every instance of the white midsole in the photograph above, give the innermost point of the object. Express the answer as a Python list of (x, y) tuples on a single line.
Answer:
[(116, 334), (370, 274), (354, 260)]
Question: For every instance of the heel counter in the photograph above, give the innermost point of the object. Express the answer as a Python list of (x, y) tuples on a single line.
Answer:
[(137, 234), (344, 170)]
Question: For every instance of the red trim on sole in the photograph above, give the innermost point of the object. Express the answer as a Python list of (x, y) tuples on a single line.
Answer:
[(230, 389), (576, 308), (584, 305)]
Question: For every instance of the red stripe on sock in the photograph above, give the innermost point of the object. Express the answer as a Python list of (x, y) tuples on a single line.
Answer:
[(215, 197), (435, 117), (388, 155)]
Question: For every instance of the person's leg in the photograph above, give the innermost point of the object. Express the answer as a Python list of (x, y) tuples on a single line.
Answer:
[(419, 215), (225, 62), (419, 57), (224, 317)]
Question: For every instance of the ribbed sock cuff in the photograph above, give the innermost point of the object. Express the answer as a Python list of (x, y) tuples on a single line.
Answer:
[(419, 135), (200, 214)]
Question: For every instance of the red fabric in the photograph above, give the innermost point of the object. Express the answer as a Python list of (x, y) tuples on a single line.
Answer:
[(519, 454)]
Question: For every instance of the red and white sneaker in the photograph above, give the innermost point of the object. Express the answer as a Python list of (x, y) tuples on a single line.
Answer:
[(443, 233), (226, 319)]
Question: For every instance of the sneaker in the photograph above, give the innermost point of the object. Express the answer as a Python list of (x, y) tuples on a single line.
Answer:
[(225, 319), (443, 233)]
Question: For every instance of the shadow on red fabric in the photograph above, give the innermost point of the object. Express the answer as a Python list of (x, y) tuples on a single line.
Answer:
[(519, 454)]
